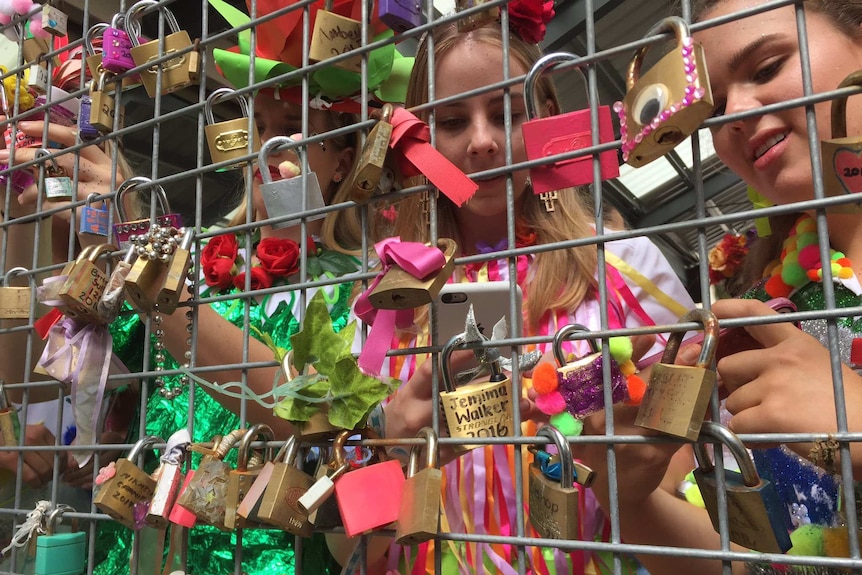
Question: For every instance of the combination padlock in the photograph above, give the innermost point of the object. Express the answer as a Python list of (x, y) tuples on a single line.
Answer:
[(116, 47), (400, 15), (757, 518), (553, 135), (124, 229), (677, 396), (61, 553), (400, 289), (15, 301), (279, 504), (176, 72), (290, 197), (419, 512), (369, 169), (84, 285), (554, 503), (242, 478), (228, 140), (125, 485), (94, 220), (841, 156), (58, 186), (94, 57), (668, 103)]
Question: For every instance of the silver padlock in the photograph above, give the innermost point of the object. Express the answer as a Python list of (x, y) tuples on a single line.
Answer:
[(58, 186), (291, 196)]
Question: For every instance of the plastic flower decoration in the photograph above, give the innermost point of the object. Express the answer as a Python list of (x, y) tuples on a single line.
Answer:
[(529, 18), (726, 257)]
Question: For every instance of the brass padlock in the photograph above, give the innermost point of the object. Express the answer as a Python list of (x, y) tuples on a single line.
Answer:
[(15, 301), (668, 103), (127, 486), (334, 35), (554, 503), (228, 140), (677, 396), (279, 505), (85, 284), (103, 108), (241, 479), (10, 425), (178, 268), (366, 178), (476, 409), (195, 62), (154, 249), (175, 72), (841, 156), (399, 289), (757, 518), (419, 514), (476, 19)]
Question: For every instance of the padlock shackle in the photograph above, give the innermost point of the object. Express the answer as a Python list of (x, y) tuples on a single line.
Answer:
[(118, 21), (673, 24), (96, 251), (431, 451), (132, 184), (726, 437), (561, 336), (338, 448), (133, 19), (187, 239), (271, 145), (227, 442), (143, 442), (706, 359), (13, 272), (91, 197), (56, 514), (221, 95), (454, 343), (95, 31), (104, 75), (255, 431), (567, 464), (542, 64), (44, 153), (839, 105), (287, 453)]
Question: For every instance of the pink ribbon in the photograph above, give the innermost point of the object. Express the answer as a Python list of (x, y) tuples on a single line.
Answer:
[(418, 260), (411, 137)]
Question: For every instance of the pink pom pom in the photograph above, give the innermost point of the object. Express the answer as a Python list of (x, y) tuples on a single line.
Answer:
[(22, 6), (36, 28), (809, 257), (5, 19), (551, 403)]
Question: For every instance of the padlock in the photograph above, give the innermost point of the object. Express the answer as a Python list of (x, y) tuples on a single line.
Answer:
[(35, 49), (841, 156), (86, 130), (195, 62), (61, 553), (399, 289), (370, 166), (545, 137), (286, 197), (323, 487), (128, 486), (279, 504), (554, 504), (757, 518), (206, 494), (103, 108), (333, 36), (476, 409), (116, 46), (677, 396), (169, 295), (419, 512), (15, 301), (37, 78), (175, 72), (54, 21), (170, 477), (94, 221), (125, 229), (477, 19), (241, 479), (114, 296), (58, 186), (581, 382), (10, 426), (94, 58), (668, 103), (85, 284), (400, 15), (228, 140), (154, 249)]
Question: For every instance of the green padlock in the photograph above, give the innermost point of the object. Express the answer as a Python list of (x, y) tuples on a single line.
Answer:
[(61, 553)]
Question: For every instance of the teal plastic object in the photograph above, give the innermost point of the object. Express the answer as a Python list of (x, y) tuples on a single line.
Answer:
[(61, 554)]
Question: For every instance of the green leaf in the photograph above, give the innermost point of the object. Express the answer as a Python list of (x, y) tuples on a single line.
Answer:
[(316, 342), (354, 394), (313, 267), (304, 388), (263, 336), (337, 263)]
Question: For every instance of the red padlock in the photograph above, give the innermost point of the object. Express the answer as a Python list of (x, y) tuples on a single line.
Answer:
[(545, 137)]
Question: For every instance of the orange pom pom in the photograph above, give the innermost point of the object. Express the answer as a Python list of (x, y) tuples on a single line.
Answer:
[(637, 389), (545, 378), (776, 287)]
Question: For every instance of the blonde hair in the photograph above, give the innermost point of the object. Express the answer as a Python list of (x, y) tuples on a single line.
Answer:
[(566, 276)]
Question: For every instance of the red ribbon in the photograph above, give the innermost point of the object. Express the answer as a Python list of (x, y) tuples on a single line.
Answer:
[(411, 137), (44, 324)]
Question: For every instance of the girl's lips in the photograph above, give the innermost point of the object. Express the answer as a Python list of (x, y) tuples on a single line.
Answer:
[(274, 174), (771, 155)]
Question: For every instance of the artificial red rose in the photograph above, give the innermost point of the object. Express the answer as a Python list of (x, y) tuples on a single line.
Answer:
[(279, 257), (529, 18), (223, 246), (259, 279), (218, 272)]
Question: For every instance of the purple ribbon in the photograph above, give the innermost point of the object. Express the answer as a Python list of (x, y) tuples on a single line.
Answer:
[(486, 248)]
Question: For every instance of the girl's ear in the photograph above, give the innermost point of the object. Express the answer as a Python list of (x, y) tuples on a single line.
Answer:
[(346, 158), (551, 108)]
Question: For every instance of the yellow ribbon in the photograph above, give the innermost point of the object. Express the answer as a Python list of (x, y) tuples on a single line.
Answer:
[(645, 284)]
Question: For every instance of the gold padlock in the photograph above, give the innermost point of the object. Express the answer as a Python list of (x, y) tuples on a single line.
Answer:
[(178, 268), (279, 505), (677, 396), (668, 103), (154, 249), (85, 284), (195, 62), (370, 167), (228, 140), (176, 70), (15, 301), (554, 504), (241, 479), (419, 514), (335, 35), (398, 289), (103, 107), (841, 156), (128, 486)]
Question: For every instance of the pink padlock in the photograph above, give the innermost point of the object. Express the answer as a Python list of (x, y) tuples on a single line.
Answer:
[(116, 46), (555, 135)]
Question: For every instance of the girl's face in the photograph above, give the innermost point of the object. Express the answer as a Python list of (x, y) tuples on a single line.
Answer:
[(755, 62), (470, 133), (281, 118)]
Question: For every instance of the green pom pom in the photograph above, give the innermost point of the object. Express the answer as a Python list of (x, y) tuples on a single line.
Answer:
[(807, 540), (567, 424), (837, 256), (794, 275), (621, 348), (806, 239)]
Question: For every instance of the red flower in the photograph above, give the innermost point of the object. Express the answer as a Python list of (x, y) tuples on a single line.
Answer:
[(223, 246), (259, 279), (279, 257), (529, 18), (217, 260), (219, 273)]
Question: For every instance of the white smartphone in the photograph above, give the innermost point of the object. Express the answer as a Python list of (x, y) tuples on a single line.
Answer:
[(490, 301)]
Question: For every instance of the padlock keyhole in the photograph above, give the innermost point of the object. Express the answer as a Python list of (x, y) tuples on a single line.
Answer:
[(669, 136)]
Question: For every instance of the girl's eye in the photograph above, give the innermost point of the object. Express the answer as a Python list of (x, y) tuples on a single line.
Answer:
[(450, 123), (768, 71)]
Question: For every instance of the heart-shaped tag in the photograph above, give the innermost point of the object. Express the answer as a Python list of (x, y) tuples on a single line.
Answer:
[(847, 163)]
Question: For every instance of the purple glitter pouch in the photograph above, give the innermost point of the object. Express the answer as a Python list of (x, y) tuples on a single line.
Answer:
[(21, 178)]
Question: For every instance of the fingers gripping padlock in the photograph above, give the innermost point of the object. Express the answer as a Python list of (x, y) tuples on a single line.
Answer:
[(668, 103), (241, 479), (419, 513), (15, 301), (677, 396), (841, 156), (554, 504), (176, 72), (228, 140), (756, 517), (60, 553), (124, 229), (125, 485), (545, 137), (291, 196)]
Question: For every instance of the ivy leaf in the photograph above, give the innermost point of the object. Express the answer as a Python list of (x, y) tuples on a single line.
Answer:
[(263, 336), (337, 263), (316, 342), (313, 267), (354, 394), (297, 407)]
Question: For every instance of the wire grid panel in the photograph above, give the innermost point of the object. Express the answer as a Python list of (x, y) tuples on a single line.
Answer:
[(31, 240)]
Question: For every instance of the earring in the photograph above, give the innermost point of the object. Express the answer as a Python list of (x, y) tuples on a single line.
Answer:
[(320, 143), (337, 178)]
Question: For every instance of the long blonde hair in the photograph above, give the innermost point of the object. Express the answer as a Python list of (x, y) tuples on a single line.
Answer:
[(565, 276)]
